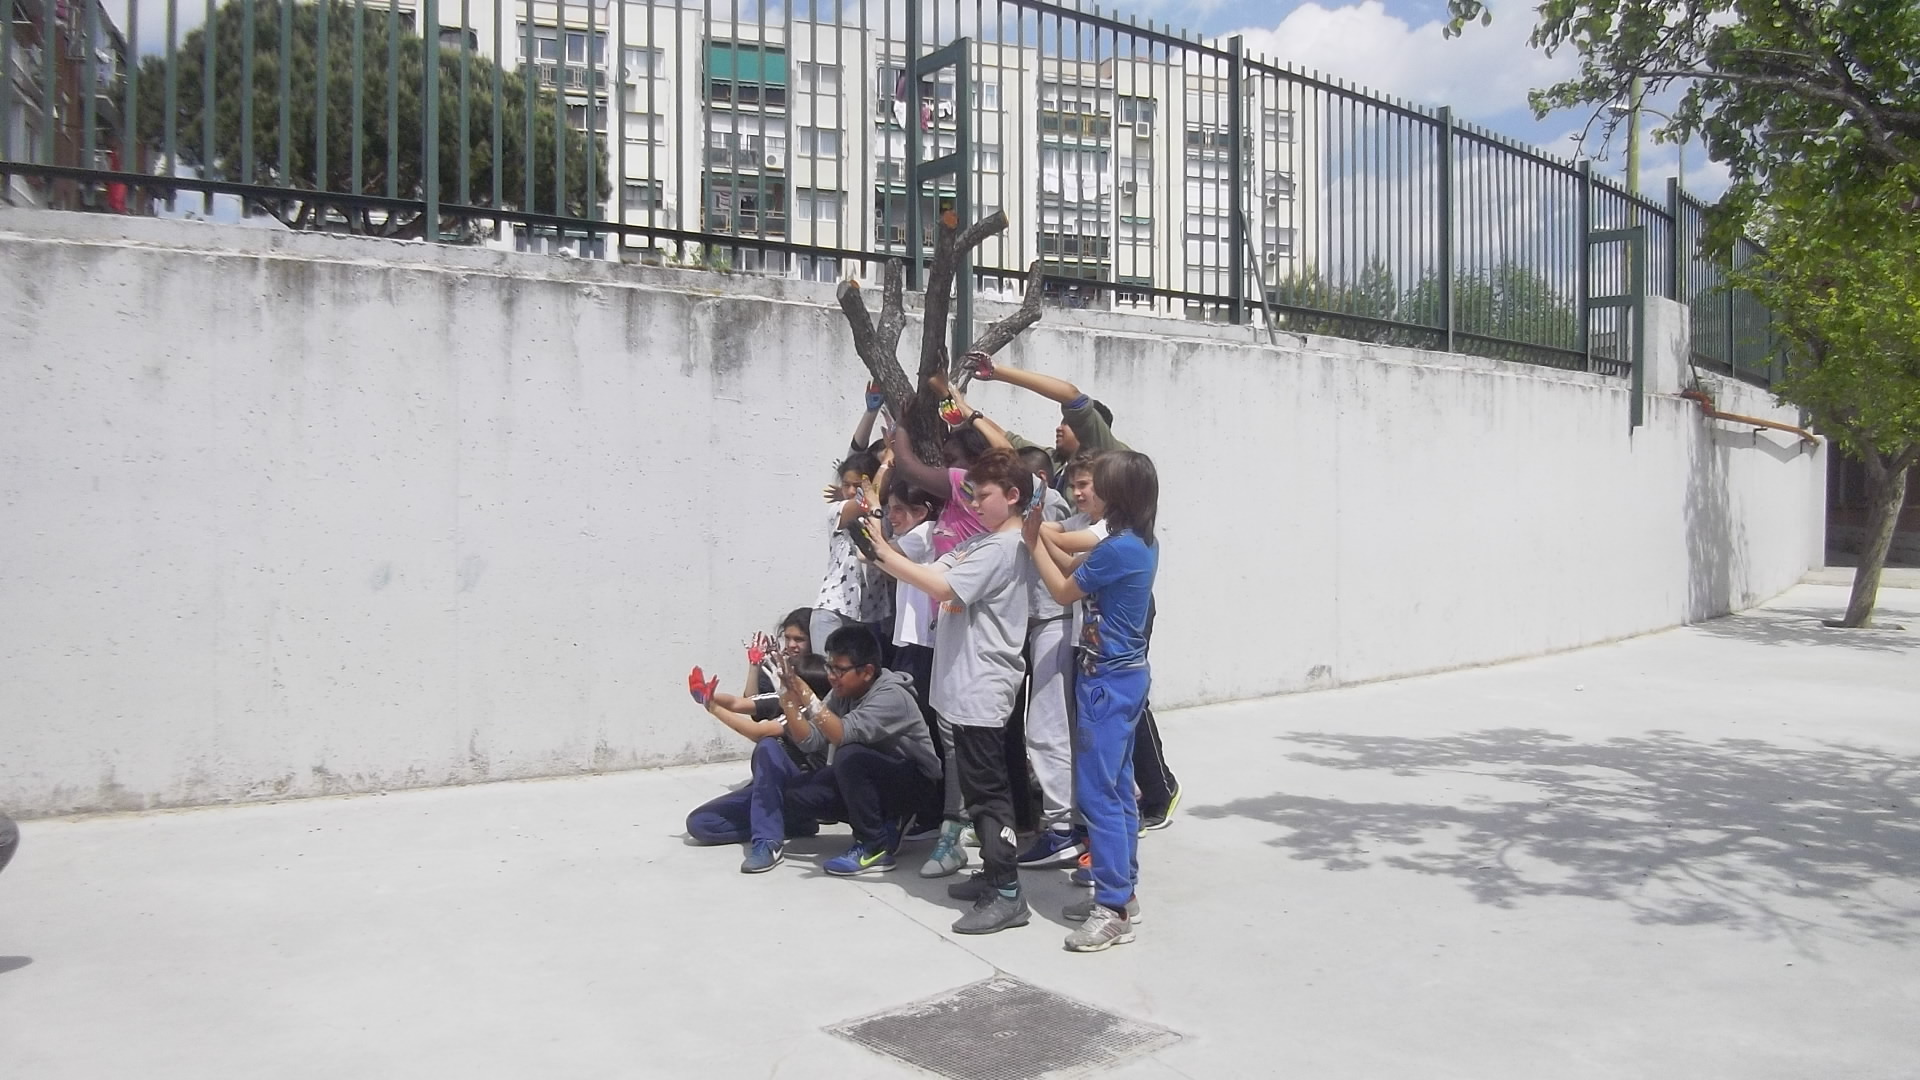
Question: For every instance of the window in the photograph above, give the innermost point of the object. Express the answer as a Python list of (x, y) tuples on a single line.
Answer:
[(1278, 124), (642, 63), (986, 157), (576, 47), (812, 269), (820, 207), (820, 142), (546, 42), (1278, 241), (1206, 226), (645, 128), (579, 118), (1133, 110), (452, 37), (986, 94), (820, 78), (1279, 185), (641, 195), (1207, 139), (740, 73), (1132, 296)]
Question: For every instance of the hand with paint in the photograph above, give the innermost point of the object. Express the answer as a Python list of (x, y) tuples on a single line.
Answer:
[(876, 400), (702, 688), (982, 365)]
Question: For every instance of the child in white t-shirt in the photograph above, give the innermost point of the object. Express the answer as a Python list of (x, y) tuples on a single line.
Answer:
[(910, 517)]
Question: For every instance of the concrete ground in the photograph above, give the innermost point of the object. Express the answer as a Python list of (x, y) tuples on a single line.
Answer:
[(1694, 854)]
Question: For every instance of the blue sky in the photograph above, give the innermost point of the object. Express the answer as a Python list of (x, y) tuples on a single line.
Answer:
[(1396, 47)]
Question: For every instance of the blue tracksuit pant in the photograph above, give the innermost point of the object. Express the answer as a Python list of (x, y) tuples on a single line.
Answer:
[(1109, 704)]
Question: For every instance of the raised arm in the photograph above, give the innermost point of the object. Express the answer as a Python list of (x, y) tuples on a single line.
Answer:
[(929, 578), (908, 466), (1060, 390), (1046, 563)]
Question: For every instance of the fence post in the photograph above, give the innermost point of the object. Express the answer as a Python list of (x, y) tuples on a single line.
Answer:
[(1583, 269), (912, 125), (1236, 171), (1682, 250), (1445, 199), (430, 130)]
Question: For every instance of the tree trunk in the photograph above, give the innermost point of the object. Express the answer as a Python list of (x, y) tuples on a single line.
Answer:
[(1887, 491)]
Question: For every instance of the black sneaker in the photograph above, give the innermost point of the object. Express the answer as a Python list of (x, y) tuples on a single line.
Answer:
[(1159, 819), (994, 912)]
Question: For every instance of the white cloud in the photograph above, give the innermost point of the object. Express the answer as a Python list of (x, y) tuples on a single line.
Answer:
[(1482, 74)]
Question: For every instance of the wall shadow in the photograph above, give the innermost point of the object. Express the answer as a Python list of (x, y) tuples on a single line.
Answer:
[(1777, 841), (13, 963), (1712, 534)]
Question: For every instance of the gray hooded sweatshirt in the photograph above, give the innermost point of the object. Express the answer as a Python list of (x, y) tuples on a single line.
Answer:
[(886, 718)]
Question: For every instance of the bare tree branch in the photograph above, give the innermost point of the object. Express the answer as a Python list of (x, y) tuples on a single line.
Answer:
[(1001, 334)]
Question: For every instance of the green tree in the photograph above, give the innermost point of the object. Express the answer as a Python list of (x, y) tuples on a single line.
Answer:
[(1842, 277), (1814, 108), (403, 157)]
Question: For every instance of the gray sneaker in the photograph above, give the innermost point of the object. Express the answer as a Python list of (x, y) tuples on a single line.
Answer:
[(973, 888), (993, 913), (948, 857), (1079, 910), (1103, 929)]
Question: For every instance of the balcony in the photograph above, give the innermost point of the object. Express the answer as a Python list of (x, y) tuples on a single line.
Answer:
[(567, 76), (746, 222), (1076, 125)]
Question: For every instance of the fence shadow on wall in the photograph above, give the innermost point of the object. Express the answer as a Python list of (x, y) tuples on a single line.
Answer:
[(1772, 841)]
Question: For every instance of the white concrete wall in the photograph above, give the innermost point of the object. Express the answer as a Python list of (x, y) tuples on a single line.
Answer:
[(288, 515)]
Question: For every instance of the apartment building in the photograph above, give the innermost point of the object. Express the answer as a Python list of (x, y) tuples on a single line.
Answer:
[(1111, 169), (64, 64)]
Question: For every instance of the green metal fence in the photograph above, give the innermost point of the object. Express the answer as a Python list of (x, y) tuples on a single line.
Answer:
[(1147, 169)]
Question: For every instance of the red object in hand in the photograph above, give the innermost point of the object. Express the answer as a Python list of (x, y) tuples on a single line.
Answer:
[(950, 412), (982, 365), (701, 687), (756, 655)]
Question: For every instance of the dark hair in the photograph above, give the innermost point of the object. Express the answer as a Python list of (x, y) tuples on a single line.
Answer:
[(1084, 461), (971, 443), (1105, 413), (801, 617), (1130, 486), (876, 446), (856, 643), (1036, 459), (999, 466), (812, 669), (861, 462), (913, 496)]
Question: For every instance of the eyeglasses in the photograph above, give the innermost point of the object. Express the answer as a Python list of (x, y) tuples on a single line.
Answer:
[(842, 669)]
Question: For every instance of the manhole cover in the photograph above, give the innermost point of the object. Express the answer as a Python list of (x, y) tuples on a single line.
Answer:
[(1004, 1029)]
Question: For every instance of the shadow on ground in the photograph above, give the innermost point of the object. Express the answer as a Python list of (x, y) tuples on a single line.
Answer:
[(1772, 840), (1803, 626)]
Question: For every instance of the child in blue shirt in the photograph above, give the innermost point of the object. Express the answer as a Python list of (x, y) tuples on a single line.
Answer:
[(1116, 581)]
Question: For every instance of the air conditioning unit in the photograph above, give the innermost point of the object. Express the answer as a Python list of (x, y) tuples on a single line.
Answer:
[(1128, 187), (1273, 200), (1272, 257), (773, 162), (1142, 130)]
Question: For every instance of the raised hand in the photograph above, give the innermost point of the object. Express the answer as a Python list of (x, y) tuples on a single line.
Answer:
[(875, 398), (701, 687), (982, 365)]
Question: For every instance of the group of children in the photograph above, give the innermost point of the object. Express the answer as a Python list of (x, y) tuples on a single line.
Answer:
[(978, 646)]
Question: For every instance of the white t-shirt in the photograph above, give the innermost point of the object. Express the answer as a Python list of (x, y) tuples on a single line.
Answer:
[(851, 589), (913, 609), (1077, 523)]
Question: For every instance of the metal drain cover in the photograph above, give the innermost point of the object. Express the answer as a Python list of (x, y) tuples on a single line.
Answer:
[(1004, 1029)]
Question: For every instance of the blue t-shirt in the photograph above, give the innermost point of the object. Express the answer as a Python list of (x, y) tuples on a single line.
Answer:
[(1118, 580)]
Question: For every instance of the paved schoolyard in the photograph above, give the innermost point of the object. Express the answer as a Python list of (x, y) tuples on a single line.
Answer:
[(1694, 854)]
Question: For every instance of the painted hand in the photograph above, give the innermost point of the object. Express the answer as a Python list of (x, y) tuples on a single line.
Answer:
[(875, 399), (982, 365), (701, 687)]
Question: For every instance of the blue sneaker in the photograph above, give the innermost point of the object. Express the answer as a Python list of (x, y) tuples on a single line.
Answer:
[(1052, 847), (762, 857), (872, 858)]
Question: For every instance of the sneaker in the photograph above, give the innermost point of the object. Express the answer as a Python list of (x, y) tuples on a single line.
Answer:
[(1103, 929), (1080, 909), (1051, 848), (763, 856), (970, 838), (870, 858), (972, 889), (993, 912), (1083, 874), (1162, 819), (947, 856), (917, 831)]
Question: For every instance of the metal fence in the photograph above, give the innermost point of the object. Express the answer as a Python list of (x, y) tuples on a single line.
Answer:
[(1146, 169)]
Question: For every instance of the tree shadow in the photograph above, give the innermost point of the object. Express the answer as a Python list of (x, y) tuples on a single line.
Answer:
[(1804, 626), (1802, 844), (13, 963)]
